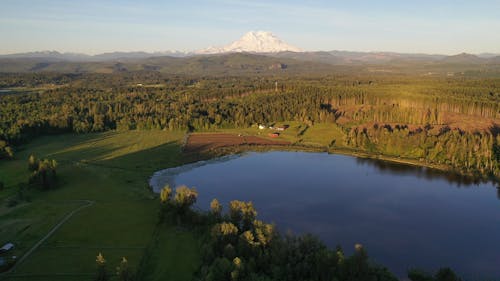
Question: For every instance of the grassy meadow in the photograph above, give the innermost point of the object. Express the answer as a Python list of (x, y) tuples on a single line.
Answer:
[(111, 170), (318, 135)]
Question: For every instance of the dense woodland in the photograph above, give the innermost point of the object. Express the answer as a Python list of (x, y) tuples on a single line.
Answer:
[(443, 120)]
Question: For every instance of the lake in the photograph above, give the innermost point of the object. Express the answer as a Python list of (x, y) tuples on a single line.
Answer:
[(405, 216)]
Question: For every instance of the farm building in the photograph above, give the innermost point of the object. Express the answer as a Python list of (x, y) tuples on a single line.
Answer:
[(280, 128)]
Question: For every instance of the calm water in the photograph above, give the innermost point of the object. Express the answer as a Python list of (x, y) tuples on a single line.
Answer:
[(405, 216)]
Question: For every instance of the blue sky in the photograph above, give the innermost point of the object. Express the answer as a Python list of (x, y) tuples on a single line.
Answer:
[(93, 26)]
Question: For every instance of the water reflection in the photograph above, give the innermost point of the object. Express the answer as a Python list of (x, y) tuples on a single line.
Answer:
[(167, 176), (388, 167)]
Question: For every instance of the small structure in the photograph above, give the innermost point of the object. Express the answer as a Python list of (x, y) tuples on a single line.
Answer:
[(274, 135), (282, 128), (261, 127), (6, 248)]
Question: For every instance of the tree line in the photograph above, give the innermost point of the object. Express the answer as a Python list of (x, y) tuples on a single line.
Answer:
[(444, 121)]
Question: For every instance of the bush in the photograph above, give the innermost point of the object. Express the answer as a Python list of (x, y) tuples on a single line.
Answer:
[(44, 172)]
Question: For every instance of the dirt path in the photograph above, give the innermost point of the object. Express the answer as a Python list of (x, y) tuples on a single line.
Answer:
[(88, 203)]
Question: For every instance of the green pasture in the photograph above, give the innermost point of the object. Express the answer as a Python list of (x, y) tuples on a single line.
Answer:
[(111, 170)]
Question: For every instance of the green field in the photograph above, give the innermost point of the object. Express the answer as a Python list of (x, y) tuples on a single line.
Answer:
[(111, 170), (319, 135)]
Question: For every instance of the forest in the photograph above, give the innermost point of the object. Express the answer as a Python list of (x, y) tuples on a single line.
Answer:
[(451, 121)]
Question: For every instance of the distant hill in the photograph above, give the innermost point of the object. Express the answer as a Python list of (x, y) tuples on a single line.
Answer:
[(322, 57), (249, 63), (135, 55), (266, 47), (222, 64), (57, 56), (495, 60), (464, 58), (48, 55)]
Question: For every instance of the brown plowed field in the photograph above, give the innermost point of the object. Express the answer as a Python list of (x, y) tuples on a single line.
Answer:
[(204, 142)]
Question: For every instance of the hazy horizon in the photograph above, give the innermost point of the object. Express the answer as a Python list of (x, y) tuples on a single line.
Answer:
[(94, 27)]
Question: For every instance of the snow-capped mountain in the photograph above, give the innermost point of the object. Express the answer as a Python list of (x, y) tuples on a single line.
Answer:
[(253, 42)]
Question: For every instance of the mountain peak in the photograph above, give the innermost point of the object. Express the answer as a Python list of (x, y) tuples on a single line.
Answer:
[(258, 34), (253, 42)]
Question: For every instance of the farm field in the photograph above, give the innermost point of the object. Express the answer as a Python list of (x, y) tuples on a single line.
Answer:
[(211, 141)]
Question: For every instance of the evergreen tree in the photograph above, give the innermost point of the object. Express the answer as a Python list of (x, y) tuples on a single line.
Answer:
[(101, 274)]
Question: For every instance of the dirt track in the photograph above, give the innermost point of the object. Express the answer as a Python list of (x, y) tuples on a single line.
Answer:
[(205, 142), (87, 203)]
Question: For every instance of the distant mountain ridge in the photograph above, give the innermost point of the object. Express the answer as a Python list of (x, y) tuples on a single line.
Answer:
[(331, 57), (254, 42), (465, 58), (55, 55)]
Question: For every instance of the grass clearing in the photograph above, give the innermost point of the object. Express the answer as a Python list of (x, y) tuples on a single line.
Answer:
[(110, 169), (317, 135), (181, 262)]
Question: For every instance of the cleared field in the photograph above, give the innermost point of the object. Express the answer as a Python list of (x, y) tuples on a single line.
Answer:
[(205, 142), (317, 135)]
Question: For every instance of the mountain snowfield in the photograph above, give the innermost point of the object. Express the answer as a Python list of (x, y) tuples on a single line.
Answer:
[(253, 42)]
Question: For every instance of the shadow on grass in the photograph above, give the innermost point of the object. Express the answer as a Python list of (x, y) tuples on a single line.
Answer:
[(137, 151), (147, 160)]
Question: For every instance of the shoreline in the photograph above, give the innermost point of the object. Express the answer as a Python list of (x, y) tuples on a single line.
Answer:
[(227, 153)]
